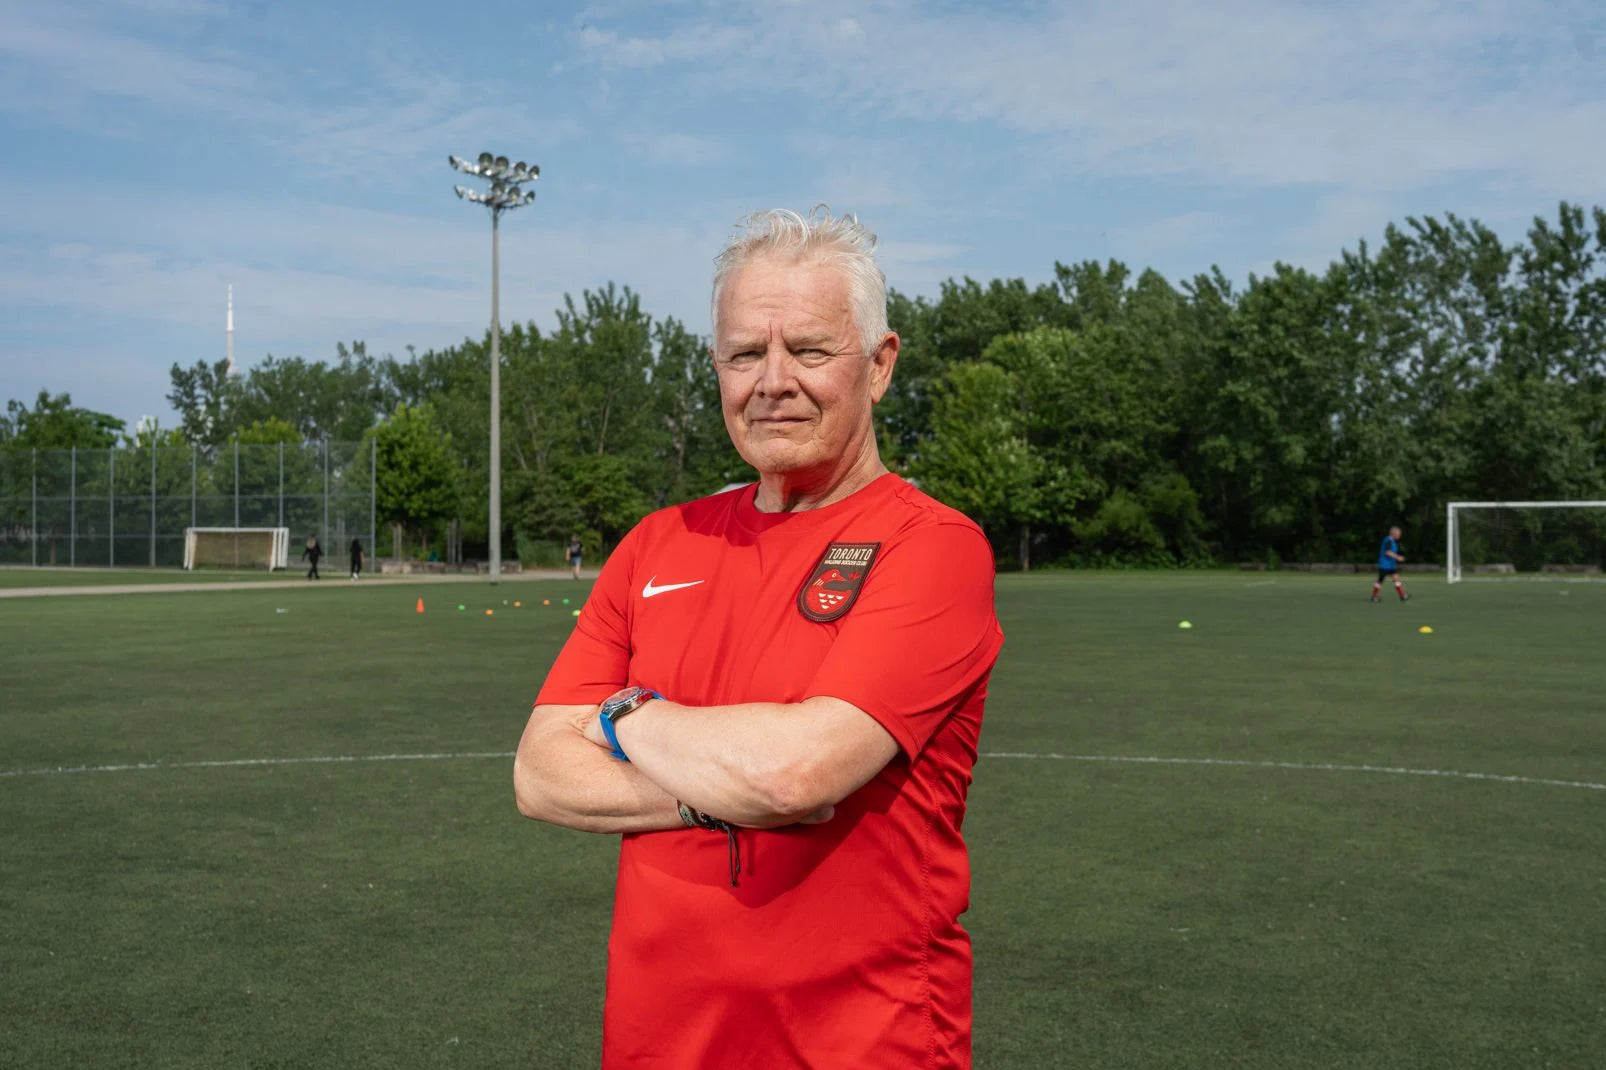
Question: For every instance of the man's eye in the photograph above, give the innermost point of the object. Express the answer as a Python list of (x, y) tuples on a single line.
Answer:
[(744, 357)]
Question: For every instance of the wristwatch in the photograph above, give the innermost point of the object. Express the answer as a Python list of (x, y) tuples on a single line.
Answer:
[(616, 706)]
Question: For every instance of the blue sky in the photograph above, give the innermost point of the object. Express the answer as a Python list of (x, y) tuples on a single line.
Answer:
[(157, 150)]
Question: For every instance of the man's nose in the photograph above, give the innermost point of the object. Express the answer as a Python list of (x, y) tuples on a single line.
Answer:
[(776, 376)]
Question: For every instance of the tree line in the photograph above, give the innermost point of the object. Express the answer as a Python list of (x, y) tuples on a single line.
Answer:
[(1105, 417)]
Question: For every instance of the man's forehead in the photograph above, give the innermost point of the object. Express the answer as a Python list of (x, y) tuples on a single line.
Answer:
[(797, 299), (759, 330)]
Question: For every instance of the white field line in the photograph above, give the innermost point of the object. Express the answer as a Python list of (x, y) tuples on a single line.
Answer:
[(1243, 763), (185, 587), (338, 759), (1320, 767)]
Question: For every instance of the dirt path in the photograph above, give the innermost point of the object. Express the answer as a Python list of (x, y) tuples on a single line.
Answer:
[(270, 585)]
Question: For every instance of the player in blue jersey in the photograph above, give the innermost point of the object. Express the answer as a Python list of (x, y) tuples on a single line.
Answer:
[(1389, 560)]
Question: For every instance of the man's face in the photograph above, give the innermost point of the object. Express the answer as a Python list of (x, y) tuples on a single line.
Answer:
[(794, 383), (1394, 533)]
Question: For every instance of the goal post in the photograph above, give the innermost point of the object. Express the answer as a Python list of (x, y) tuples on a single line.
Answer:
[(267, 548), (1556, 540)]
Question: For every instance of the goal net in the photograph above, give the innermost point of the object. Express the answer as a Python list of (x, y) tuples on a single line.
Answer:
[(1526, 540), (237, 548)]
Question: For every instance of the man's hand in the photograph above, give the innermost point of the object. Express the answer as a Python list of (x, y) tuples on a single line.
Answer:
[(591, 727)]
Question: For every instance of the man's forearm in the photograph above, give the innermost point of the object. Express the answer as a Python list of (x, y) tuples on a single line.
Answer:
[(762, 764), (561, 778)]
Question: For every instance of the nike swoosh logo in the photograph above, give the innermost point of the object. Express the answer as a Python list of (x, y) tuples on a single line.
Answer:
[(649, 590)]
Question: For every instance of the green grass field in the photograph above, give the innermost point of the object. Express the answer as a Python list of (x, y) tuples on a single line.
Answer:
[(1300, 912), (106, 577)]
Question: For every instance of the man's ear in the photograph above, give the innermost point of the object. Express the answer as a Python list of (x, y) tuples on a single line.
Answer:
[(882, 361)]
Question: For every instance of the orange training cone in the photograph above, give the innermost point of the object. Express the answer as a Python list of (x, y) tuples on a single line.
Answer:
[(420, 608)]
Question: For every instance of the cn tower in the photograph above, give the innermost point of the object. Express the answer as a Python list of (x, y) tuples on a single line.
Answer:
[(233, 371)]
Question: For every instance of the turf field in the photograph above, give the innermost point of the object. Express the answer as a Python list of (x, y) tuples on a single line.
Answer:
[(1301, 908), (106, 577)]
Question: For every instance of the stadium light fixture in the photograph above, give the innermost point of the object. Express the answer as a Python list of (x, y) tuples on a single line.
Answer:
[(506, 192)]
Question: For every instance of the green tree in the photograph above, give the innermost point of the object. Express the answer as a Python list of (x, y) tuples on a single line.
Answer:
[(592, 497), (338, 401), (977, 459), (55, 423), (605, 345), (28, 439), (959, 326), (204, 395), (414, 470), (1268, 429), (600, 489), (456, 384), (1541, 426), (696, 453)]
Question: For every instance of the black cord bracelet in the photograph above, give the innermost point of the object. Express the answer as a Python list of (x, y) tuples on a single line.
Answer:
[(694, 818)]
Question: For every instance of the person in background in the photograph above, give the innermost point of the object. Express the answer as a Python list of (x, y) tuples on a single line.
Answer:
[(575, 554), (1389, 560), (355, 549), (311, 554)]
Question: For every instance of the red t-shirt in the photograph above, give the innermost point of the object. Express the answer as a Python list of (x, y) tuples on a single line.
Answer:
[(840, 946)]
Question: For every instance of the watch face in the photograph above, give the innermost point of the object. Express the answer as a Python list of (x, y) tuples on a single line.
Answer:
[(622, 702)]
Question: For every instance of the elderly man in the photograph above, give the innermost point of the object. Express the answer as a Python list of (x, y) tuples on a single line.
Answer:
[(804, 664)]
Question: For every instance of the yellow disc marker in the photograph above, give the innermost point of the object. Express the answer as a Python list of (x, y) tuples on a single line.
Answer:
[(1425, 630)]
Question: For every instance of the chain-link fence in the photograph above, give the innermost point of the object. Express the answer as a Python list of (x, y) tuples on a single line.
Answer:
[(126, 507)]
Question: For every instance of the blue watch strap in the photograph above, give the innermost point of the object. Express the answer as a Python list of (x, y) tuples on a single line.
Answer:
[(608, 732), (613, 739)]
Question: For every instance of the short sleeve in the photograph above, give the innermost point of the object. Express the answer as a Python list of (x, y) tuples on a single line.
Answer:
[(921, 635), (595, 662)]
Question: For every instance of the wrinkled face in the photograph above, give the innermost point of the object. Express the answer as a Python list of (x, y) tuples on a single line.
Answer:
[(794, 383)]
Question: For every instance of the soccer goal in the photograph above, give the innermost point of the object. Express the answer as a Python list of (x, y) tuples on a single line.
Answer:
[(237, 548), (1526, 540)]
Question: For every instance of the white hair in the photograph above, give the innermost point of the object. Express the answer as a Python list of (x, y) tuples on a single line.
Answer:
[(821, 238)]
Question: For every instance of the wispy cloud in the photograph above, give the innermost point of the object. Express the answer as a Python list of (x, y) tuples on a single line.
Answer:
[(67, 62), (1379, 94), (1188, 231), (79, 66), (694, 44), (335, 271)]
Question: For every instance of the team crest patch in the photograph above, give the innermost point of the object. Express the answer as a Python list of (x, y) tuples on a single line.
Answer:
[(833, 586)]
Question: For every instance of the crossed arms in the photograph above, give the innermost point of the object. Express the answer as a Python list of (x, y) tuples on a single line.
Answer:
[(760, 764)]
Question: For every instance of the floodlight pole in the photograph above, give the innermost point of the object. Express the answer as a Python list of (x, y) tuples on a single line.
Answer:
[(506, 193), (496, 398)]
